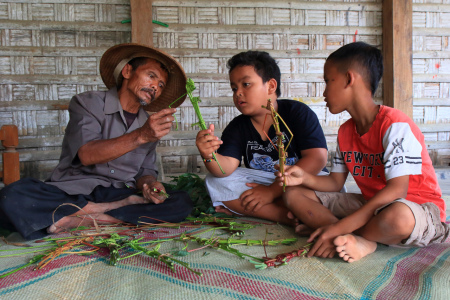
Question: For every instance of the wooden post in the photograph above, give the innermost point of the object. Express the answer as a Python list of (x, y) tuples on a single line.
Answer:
[(9, 135), (141, 22), (397, 52)]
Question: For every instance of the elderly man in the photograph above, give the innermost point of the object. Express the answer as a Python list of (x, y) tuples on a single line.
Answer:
[(108, 152)]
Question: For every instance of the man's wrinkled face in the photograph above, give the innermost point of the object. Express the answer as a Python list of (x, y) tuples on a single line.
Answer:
[(147, 82)]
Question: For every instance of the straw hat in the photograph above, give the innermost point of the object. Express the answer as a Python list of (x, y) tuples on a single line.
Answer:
[(116, 57)]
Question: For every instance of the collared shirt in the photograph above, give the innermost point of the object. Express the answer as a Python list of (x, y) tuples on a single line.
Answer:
[(98, 115)]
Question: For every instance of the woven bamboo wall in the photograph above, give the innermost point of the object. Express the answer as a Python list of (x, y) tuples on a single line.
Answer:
[(50, 50)]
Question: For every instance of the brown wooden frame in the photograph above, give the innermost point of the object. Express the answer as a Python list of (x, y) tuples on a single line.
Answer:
[(9, 136), (141, 23), (397, 52)]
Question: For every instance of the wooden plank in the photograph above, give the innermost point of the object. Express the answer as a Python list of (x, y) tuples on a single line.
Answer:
[(190, 28), (34, 105), (431, 54), (428, 78), (268, 29), (52, 51), (307, 5), (123, 2), (141, 22), (433, 31), (431, 102), (397, 52), (177, 52), (173, 151), (39, 79), (435, 7), (63, 26), (270, 4)]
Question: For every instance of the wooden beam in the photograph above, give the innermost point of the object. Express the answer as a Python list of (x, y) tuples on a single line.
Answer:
[(10, 140), (397, 52), (141, 22)]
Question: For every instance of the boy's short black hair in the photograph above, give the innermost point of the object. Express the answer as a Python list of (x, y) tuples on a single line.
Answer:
[(367, 59), (265, 65)]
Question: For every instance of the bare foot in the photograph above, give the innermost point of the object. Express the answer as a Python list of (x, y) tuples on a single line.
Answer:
[(352, 247), (291, 216), (303, 230), (86, 215), (133, 199), (223, 209), (74, 221), (300, 229)]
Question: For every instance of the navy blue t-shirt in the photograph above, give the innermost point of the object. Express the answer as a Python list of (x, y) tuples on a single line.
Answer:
[(242, 140)]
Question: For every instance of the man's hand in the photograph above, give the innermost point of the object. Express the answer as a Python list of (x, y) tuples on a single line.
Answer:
[(323, 246), (154, 192), (207, 142), (293, 175), (157, 125), (255, 198)]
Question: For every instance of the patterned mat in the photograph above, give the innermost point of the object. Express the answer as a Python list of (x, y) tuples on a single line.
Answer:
[(389, 273)]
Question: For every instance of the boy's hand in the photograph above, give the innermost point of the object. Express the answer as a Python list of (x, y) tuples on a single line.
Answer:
[(152, 192), (323, 246), (256, 197), (207, 142), (293, 175)]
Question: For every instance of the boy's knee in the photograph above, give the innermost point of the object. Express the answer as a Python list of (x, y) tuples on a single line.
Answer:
[(216, 182), (397, 218), (293, 196)]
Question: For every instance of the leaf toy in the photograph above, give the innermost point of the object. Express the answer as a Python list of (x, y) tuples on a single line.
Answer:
[(190, 87), (282, 154)]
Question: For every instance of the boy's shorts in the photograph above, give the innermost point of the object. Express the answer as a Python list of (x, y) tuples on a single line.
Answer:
[(428, 228), (222, 189)]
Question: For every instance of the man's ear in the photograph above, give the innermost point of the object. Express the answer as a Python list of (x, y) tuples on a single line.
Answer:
[(126, 71), (272, 86)]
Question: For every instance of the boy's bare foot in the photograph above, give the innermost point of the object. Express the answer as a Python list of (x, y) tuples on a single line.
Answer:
[(223, 209), (300, 229), (291, 216), (303, 230), (86, 215), (352, 247)]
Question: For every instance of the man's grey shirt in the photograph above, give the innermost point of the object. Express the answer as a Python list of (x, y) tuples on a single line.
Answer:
[(98, 115)]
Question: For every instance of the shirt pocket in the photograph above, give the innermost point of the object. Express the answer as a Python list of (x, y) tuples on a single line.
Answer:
[(128, 165)]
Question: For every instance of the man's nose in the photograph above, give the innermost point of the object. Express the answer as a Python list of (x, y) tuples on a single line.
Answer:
[(154, 86)]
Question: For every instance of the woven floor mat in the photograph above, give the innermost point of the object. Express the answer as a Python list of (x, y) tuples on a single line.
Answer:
[(389, 273)]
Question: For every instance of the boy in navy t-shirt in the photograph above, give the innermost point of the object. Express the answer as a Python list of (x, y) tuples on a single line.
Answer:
[(254, 79)]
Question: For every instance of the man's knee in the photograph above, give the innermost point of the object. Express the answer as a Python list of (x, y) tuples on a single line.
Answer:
[(12, 192), (18, 187), (182, 202)]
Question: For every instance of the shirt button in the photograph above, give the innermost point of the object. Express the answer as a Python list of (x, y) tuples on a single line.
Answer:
[(112, 171)]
